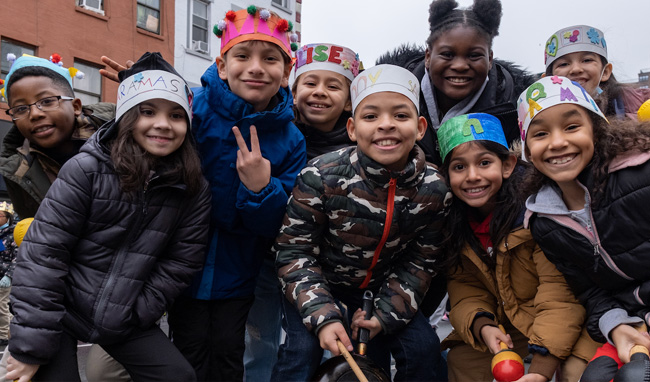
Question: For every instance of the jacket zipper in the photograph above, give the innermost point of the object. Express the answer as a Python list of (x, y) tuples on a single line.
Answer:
[(594, 239), (392, 185), (119, 258)]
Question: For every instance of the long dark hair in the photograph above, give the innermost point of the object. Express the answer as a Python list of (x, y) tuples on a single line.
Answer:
[(508, 209), (134, 164), (610, 140)]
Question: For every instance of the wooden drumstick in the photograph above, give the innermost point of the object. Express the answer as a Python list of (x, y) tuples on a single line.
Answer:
[(353, 364)]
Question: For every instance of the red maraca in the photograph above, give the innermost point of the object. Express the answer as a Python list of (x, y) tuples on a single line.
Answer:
[(507, 366)]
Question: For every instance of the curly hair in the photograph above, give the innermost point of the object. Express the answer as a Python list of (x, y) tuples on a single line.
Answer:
[(483, 15), (134, 164), (610, 140), (508, 209)]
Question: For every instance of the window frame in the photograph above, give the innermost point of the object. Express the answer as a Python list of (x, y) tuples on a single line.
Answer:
[(192, 25), (100, 10), (84, 92), (24, 48), (140, 3)]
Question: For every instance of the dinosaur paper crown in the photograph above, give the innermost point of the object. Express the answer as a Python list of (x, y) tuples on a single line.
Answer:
[(469, 127), (252, 24), (54, 64)]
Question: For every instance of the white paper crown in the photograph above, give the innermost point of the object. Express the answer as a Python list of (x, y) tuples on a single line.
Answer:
[(150, 84), (548, 92), (385, 78), (578, 38)]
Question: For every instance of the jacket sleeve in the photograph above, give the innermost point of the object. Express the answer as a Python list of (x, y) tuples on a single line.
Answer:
[(38, 288), (298, 248), (399, 297), (635, 298), (556, 310), (468, 298), (262, 212), (183, 257)]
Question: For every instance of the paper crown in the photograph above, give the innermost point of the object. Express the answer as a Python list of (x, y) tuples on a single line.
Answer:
[(548, 92), (252, 24), (4, 206), (385, 78), (335, 58), (469, 127), (21, 230), (578, 38), (149, 78), (54, 64)]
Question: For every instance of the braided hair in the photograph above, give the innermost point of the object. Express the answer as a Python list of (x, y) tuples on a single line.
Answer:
[(484, 16)]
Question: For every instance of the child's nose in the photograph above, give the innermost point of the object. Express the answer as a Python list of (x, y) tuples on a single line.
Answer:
[(35, 112), (472, 173), (255, 65), (386, 122), (557, 140), (459, 63)]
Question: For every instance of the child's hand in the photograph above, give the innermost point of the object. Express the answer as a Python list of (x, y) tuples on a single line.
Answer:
[(254, 170), (22, 372), (625, 337), (115, 66), (532, 377), (359, 321), (328, 335), (493, 336)]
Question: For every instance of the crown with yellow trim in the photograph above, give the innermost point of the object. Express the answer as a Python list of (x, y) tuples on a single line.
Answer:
[(54, 64), (252, 24), (4, 206)]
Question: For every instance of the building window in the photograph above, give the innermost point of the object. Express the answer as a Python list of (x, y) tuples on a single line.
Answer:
[(92, 5), (149, 15), (284, 4), (6, 47), (200, 32), (88, 89)]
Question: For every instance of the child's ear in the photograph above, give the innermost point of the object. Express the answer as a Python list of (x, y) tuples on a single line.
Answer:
[(286, 75), (491, 58), (508, 166), (422, 127), (348, 105), (76, 105), (221, 67), (607, 72), (351, 131)]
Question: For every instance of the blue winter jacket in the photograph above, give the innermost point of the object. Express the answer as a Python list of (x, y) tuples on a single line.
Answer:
[(243, 223)]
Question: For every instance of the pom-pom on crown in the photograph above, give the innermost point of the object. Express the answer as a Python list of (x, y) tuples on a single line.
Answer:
[(252, 24), (54, 63)]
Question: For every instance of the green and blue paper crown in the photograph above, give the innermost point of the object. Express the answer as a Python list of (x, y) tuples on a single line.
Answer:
[(469, 127)]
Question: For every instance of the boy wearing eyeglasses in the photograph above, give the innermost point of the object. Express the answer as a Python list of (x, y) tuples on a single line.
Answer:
[(50, 126)]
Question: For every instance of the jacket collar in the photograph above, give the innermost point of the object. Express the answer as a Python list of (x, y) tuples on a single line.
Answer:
[(411, 175)]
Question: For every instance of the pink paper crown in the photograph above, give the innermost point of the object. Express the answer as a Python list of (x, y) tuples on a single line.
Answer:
[(255, 24)]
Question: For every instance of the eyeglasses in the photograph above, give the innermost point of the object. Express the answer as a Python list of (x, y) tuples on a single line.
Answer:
[(45, 104)]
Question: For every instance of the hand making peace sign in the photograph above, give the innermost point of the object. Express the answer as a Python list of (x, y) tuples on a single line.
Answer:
[(254, 170)]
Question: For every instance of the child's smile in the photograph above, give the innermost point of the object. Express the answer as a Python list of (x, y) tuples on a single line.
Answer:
[(560, 143), (386, 126)]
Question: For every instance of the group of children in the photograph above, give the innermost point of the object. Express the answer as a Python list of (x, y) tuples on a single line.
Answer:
[(523, 195)]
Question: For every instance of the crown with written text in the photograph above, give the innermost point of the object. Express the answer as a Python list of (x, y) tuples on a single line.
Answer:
[(548, 92), (253, 24), (385, 78), (578, 38), (335, 58), (54, 64), (469, 127)]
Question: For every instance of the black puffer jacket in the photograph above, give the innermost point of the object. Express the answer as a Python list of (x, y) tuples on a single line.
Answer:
[(499, 98), (97, 263), (609, 269)]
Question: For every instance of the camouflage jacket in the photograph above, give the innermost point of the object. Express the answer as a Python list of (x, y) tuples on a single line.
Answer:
[(351, 223)]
